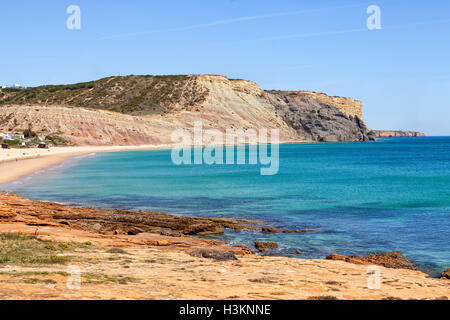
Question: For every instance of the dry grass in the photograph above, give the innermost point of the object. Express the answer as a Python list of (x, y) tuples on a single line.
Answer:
[(25, 249)]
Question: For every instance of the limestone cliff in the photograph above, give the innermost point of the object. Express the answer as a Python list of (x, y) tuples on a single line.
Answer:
[(318, 117), (146, 109), (398, 133)]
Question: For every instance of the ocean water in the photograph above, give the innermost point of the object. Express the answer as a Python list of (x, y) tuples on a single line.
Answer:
[(363, 197)]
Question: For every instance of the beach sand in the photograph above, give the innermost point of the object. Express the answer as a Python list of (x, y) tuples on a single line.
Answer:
[(15, 163)]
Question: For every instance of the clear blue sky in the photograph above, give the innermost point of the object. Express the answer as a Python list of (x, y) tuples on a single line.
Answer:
[(401, 73)]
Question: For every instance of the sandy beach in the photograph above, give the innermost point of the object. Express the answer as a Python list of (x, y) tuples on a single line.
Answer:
[(15, 163)]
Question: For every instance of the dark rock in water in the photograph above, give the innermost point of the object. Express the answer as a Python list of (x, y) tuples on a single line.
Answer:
[(269, 230), (446, 274), (394, 260), (214, 254), (262, 246), (298, 251), (300, 231)]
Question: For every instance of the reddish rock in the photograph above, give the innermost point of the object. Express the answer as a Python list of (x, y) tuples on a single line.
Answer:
[(112, 221), (395, 260), (262, 246), (340, 257), (446, 274)]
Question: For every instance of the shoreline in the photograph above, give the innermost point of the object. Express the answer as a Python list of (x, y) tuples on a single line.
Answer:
[(16, 163), (125, 265)]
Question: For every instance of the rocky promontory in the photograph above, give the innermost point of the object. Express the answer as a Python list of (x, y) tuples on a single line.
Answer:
[(134, 110), (397, 133)]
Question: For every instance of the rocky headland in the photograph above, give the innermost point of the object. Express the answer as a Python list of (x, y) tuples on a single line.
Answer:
[(397, 133), (135, 110)]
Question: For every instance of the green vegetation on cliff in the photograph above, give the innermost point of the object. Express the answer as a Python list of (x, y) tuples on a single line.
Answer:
[(130, 94)]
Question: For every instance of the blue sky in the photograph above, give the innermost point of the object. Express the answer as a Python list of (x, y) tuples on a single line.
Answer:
[(401, 72)]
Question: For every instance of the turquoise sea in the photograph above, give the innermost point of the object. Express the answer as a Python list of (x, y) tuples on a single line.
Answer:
[(364, 197)]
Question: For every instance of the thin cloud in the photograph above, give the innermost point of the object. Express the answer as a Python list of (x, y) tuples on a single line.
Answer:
[(228, 21), (329, 33)]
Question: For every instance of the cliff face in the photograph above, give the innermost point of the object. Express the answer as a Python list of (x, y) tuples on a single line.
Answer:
[(318, 117), (398, 133), (146, 109)]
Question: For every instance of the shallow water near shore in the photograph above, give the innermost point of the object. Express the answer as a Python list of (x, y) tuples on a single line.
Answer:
[(363, 197)]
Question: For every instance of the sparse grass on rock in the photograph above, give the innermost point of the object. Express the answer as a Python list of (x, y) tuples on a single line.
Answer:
[(26, 249)]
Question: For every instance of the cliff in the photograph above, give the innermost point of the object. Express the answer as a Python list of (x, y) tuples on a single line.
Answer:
[(146, 109), (398, 133)]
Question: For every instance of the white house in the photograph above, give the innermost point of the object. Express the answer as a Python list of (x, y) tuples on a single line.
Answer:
[(7, 136)]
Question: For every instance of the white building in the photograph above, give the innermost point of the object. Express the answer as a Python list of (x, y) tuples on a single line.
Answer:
[(7, 136)]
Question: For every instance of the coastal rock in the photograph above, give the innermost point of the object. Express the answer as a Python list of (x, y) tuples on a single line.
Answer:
[(446, 274), (318, 117), (168, 233), (113, 221), (270, 230), (136, 110), (202, 228), (243, 249), (300, 231), (214, 254), (262, 246), (398, 133), (340, 257), (395, 260), (134, 231)]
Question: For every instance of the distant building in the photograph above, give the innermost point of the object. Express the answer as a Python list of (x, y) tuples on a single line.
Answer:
[(16, 86), (42, 145), (7, 136)]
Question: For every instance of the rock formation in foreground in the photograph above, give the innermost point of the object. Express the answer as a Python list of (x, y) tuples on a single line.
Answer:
[(393, 259), (39, 241), (397, 133), (146, 109)]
